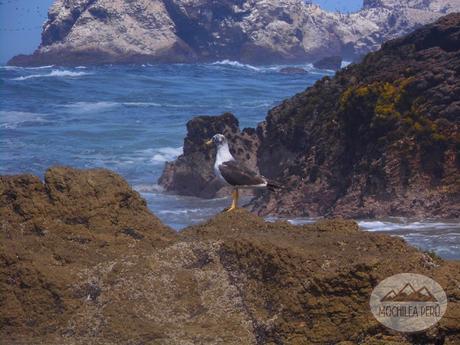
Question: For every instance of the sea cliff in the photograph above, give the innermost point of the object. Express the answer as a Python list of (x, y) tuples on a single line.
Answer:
[(83, 261), (80, 32)]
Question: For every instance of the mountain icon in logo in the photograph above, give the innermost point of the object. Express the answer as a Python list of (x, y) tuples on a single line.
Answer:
[(409, 294)]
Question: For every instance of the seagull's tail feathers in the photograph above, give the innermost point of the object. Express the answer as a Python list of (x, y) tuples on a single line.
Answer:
[(273, 186)]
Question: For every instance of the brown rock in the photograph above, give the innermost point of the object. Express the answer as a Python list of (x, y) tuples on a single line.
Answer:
[(120, 277), (52, 233)]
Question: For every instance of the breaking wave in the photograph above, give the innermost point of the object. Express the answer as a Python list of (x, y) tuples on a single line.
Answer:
[(53, 73), (166, 154), (377, 225), (148, 188), (83, 107), (235, 64), (13, 119), (101, 105), (275, 68), (12, 68)]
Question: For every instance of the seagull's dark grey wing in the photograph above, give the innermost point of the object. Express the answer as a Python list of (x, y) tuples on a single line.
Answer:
[(236, 174)]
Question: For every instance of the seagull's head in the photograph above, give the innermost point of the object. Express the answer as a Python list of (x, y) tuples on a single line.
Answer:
[(217, 140)]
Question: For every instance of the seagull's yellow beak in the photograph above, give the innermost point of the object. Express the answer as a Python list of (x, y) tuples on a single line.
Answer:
[(208, 142)]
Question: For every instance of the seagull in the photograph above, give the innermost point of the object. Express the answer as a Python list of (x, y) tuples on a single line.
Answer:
[(234, 173)]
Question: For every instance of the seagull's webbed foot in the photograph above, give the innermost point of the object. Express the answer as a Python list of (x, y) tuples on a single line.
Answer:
[(235, 197)]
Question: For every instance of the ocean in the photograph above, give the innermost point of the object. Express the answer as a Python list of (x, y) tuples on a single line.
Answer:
[(131, 119)]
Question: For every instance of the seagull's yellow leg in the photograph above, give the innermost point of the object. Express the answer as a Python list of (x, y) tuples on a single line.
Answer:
[(235, 197)]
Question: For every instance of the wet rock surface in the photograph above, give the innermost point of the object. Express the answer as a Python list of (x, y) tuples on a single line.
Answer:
[(121, 277), (80, 32)]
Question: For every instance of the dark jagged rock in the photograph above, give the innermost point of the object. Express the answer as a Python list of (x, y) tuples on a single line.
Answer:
[(192, 172), (330, 62), (293, 70), (83, 262), (380, 138)]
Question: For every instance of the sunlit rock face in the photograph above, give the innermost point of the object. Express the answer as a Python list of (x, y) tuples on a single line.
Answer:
[(254, 31), (83, 261)]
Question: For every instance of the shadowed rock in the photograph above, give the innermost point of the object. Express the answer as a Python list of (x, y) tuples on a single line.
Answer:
[(330, 62), (379, 138), (235, 279), (192, 172), (293, 70)]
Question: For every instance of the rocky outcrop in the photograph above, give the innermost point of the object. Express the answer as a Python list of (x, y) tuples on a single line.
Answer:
[(192, 172), (255, 31), (98, 268), (380, 138), (330, 62), (293, 70)]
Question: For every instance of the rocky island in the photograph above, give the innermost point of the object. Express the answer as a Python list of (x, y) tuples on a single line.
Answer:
[(80, 32), (83, 261), (379, 138)]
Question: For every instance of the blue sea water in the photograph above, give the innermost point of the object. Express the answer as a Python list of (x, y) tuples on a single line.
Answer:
[(131, 119)]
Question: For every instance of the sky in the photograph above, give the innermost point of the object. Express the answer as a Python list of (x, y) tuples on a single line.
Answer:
[(21, 22)]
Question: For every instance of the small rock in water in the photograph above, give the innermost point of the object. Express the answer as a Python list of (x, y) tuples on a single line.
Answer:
[(293, 70)]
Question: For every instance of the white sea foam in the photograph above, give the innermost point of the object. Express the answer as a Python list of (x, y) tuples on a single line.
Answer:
[(11, 119), (235, 64), (53, 73), (181, 211), (376, 225), (141, 104), (25, 68), (102, 105), (148, 188), (85, 107), (380, 225), (166, 154), (345, 64), (293, 221)]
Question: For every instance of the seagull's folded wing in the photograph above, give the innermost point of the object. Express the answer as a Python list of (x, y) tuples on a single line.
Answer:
[(236, 174)]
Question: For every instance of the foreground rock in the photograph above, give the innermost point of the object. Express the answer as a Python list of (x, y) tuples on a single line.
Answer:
[(380, 138), (192, 173), (80, 32), (82, 261)]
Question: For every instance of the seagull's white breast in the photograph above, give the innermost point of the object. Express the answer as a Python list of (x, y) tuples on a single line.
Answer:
[(223, 155)]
